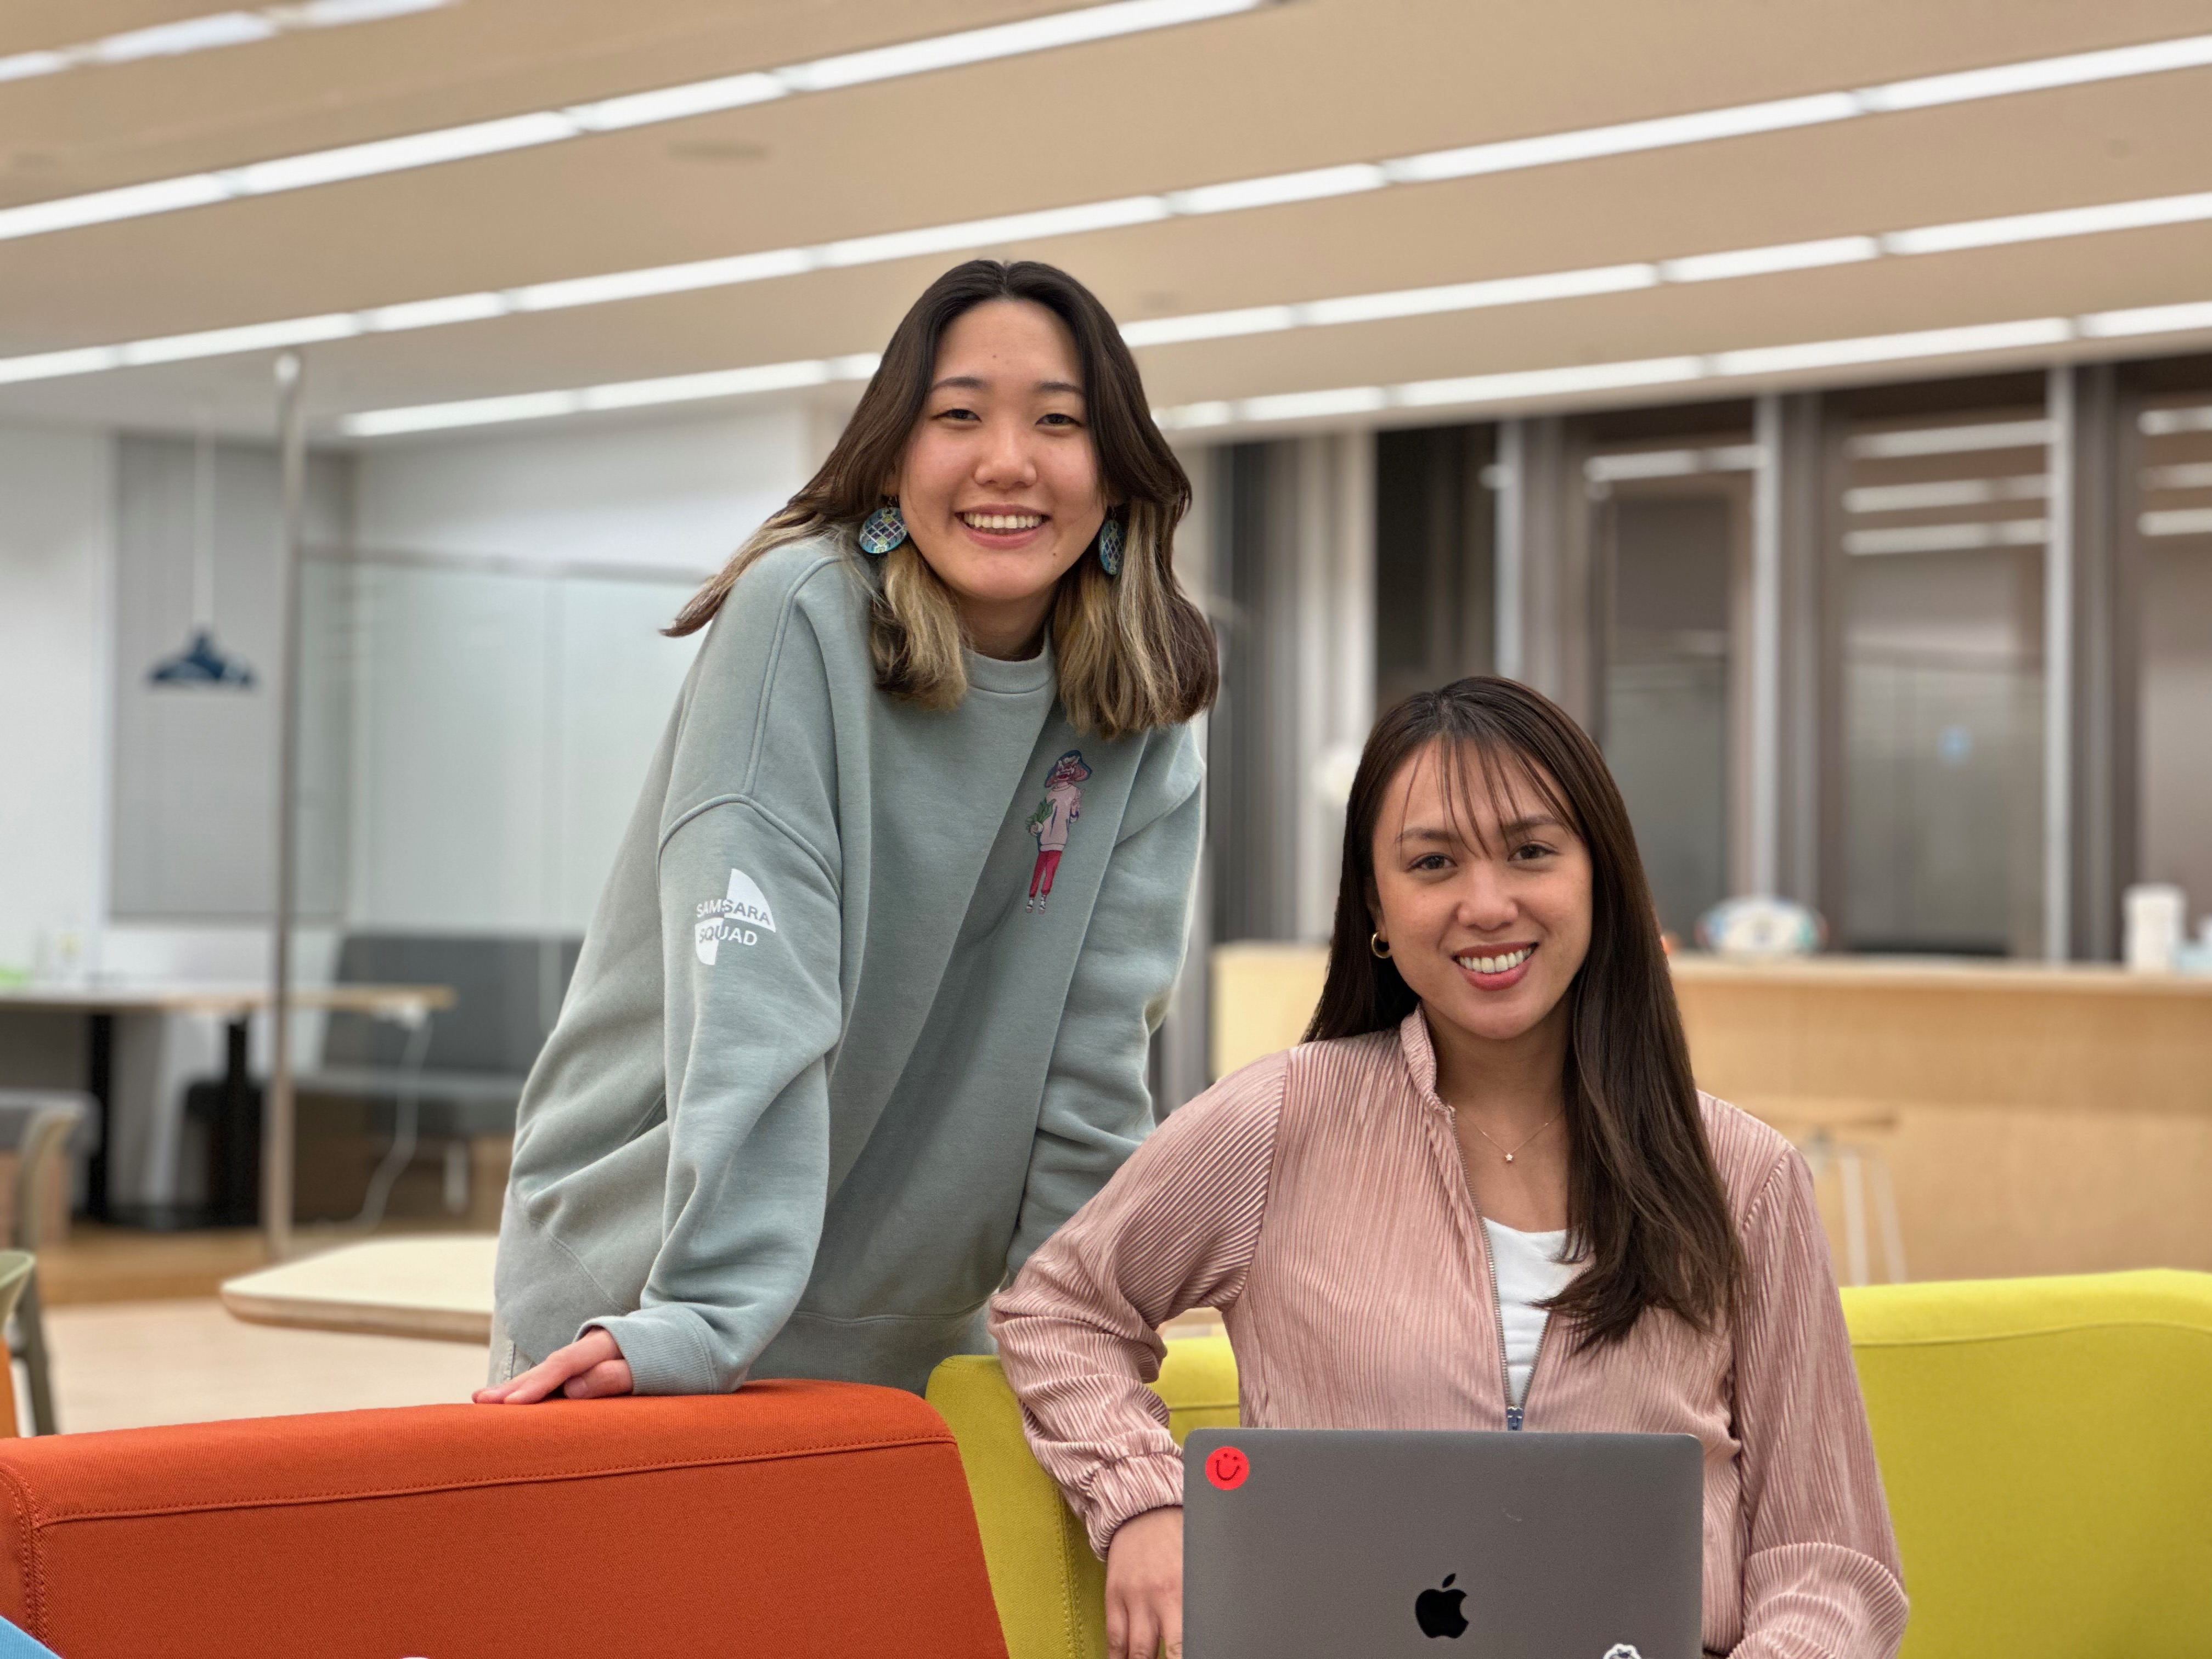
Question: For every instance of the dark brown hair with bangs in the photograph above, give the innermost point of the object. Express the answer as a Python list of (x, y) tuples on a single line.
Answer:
[(1645, 1211)]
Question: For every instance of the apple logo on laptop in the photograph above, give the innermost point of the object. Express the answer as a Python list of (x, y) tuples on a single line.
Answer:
[(1437, 1611)]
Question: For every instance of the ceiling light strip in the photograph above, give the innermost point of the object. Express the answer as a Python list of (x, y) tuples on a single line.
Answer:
[(480, 138), (1073, 27), (1472, 392), (1468, 391), (1157, 331), (205, 34)]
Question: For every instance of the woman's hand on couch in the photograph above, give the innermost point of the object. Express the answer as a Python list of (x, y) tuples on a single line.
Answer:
[(589, 1368), (1143, 1586)]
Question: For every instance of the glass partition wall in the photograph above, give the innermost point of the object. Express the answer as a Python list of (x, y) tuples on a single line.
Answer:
[(1670, 514), (2171, 518), (1942, 531)]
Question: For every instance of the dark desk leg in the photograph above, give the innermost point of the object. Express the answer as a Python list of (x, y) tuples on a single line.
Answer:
[(99, 1082), (236, 1200)]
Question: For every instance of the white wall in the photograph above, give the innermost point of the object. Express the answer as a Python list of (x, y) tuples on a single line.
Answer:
[(57, 527), (680, 493)]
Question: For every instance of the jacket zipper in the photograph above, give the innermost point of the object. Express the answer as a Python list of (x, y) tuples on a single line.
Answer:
[(1514, 1414)]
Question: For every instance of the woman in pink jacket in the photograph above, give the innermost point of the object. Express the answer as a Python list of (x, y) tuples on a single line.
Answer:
[(1485, 1194)]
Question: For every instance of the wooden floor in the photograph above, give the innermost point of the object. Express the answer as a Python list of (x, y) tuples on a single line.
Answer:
[(128, 1365), (131, 1264)]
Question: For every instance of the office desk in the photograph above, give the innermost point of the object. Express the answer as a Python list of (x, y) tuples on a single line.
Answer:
[(436, 1286), (236, 1005)]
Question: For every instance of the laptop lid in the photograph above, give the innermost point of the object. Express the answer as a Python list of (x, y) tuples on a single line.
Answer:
[(1444, 1545)]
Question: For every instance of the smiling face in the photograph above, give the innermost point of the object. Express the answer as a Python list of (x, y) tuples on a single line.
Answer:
[(1000, 485), (1483, 896)]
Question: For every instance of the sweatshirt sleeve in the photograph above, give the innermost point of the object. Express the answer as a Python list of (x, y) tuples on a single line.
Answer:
[(1175, 1228), (1821, 1578), (751, 941), (1096, 1106)]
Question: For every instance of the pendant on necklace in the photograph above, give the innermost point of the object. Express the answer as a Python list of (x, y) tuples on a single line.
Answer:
[(1509, 1158)]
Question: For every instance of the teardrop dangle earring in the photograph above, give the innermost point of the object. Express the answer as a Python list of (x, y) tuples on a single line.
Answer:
[(1109, 546), (882, 530)]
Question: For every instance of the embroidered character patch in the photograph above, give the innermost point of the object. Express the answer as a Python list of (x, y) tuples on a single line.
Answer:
[(1061, 805), (742, 914)]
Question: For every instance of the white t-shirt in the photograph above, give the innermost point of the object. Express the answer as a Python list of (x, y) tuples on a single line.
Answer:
[(1529, 1271)]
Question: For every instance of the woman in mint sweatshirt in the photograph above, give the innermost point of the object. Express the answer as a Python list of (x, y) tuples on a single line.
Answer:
[(827, 1071)]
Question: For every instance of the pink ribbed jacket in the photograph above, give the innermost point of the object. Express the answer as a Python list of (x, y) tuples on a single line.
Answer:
[(1318, 1200)]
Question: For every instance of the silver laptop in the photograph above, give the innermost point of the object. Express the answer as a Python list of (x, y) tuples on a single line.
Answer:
[(1336, 1542)]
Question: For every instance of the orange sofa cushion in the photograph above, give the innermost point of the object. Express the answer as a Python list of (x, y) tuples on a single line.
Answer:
[(789, 1519)]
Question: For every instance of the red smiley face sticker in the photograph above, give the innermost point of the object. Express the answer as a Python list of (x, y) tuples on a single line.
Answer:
[(1227, 1467)]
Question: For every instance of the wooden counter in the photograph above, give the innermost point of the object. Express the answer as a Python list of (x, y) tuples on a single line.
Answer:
[(2035, 1119)]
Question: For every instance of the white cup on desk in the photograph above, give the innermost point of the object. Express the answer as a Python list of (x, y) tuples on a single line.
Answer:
[(2154, 913)]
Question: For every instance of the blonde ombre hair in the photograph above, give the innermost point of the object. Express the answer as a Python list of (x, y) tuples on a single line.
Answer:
[(1133, 651)]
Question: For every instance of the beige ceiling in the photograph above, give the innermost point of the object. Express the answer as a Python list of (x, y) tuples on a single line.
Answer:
[(1301, 83)]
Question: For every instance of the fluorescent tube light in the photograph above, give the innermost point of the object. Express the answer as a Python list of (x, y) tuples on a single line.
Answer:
[(1547, 382), (1763, 261), (1066, 28), (253, 336), (1888, 348), (1210, 325), (418, 149), (206, 33), (1948, 537), (26, 65), (1315, 405), (2045, 227), (1948, 492), (625, 394), (675, 103), (2165, 422), (101, 206), (989, 232), (2181, 521), (1950, 440), (52, 365), (433, 313), (1475, 296), (333, 13), (1670, 463), (1278, 188), (662, 279), (2147, 319), (2040, 75), (476, 411), (223, 28), (1666, 132)]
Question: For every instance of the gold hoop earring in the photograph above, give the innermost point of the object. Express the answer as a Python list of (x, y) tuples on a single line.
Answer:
[(1378, 944)]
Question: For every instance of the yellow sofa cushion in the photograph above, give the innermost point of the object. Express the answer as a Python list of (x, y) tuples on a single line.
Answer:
[(1050, 1587), (2046, 1446)]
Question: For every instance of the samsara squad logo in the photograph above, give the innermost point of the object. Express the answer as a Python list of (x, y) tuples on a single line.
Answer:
[(741, 915)]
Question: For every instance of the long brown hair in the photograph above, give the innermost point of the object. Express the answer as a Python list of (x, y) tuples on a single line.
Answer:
[(1133, 653), (1645, 1211)]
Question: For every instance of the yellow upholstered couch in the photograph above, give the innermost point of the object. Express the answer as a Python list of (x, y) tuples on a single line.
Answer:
[(2046, 1444)]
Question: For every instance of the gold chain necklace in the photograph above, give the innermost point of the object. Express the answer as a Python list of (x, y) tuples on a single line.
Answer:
[(1525, 1144)]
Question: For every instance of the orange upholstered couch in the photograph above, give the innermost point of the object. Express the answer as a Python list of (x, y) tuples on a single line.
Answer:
[(791, 1519)]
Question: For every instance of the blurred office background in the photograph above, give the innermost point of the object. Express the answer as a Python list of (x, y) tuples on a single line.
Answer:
[(1817, 402)]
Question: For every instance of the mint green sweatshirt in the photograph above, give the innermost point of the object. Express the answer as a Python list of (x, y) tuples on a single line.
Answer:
[(827, 1071)]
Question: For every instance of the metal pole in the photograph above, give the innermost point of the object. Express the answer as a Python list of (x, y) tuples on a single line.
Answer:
[(2058, 674), (277, 1138), (1511, 559), (1767, 782)]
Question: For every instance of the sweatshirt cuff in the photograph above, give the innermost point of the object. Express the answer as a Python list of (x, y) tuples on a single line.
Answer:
[(1126, 1488), (666, 1352)]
